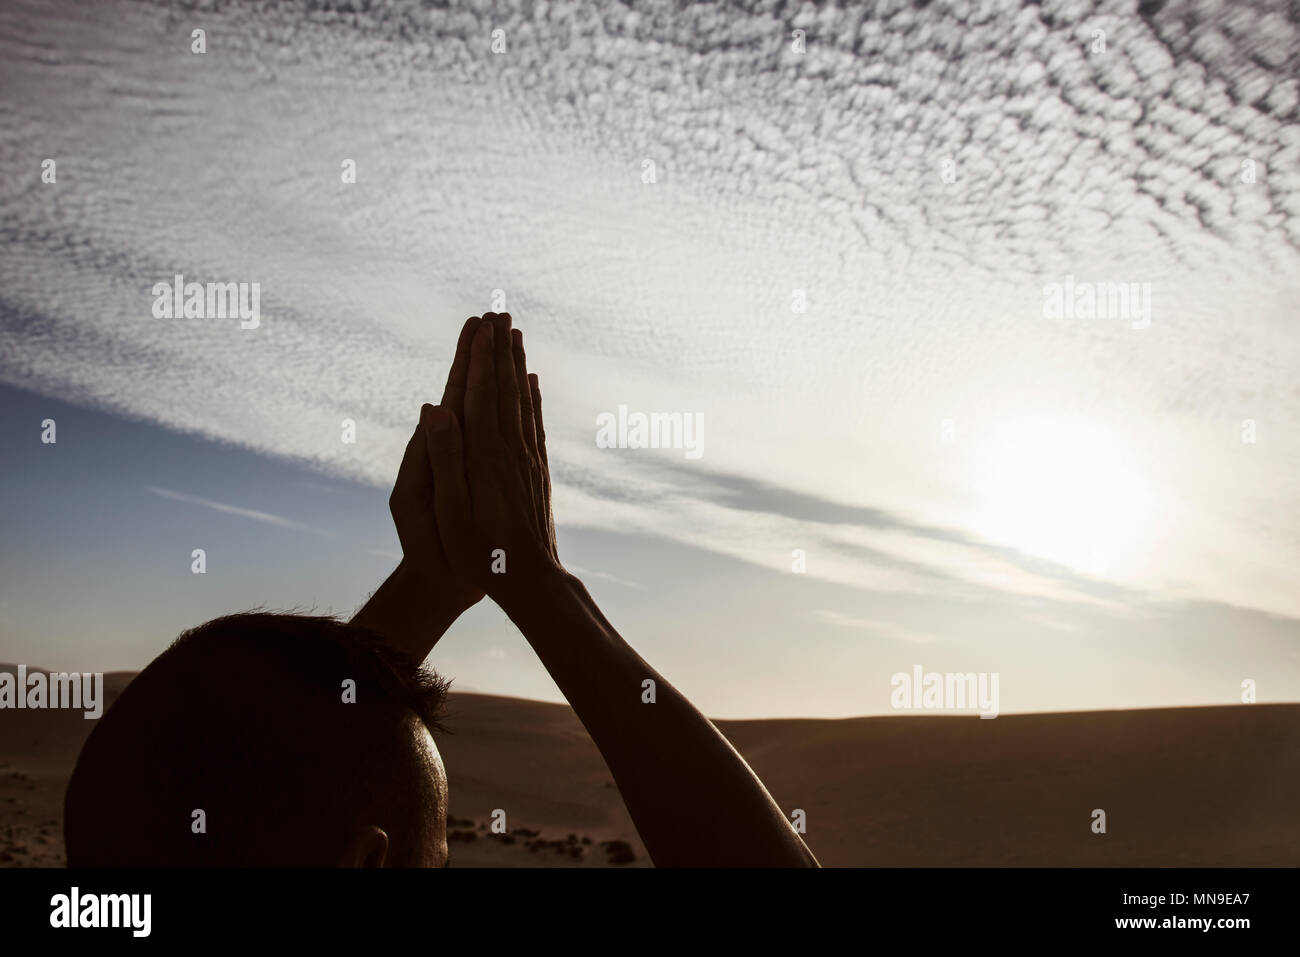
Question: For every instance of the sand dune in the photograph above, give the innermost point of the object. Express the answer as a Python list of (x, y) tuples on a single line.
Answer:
[(1180, 787)]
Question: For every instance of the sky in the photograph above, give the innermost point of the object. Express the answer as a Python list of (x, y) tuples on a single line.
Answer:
[(830, 232)]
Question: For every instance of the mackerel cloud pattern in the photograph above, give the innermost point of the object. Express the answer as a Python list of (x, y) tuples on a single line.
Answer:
[(649, 190)]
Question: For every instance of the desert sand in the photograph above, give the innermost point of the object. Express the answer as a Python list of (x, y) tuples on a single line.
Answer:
[(1215, 786)]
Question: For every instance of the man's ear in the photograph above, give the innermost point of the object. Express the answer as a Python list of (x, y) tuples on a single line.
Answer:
[(368, 847)]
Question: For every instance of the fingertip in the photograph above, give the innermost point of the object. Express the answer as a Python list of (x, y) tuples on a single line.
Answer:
[(439, 418)]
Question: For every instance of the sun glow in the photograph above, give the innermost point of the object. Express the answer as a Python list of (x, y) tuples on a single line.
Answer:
[(1066, 492)]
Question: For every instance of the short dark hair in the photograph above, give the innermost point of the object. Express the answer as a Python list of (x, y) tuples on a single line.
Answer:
[(244, 717)]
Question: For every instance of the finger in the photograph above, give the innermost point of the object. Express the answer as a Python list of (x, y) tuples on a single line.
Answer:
[(445, 453), (412, 499), (526, 422), (535, 391), (512, 433), (482, 429), (534, 388), (414, 483), (453, 396)]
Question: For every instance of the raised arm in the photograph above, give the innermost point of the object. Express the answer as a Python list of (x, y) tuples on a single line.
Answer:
[(694, 800), (418, 602)]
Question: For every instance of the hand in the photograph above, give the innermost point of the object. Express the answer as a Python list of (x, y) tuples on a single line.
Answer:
[(424, 571), (424, 576), (492, 485)]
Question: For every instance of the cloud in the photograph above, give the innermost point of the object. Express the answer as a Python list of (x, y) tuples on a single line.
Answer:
[(606, 576), (881, 629), (249, 513), (917, 176)]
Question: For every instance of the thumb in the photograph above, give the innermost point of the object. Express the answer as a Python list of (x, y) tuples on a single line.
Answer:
[(446, 452)]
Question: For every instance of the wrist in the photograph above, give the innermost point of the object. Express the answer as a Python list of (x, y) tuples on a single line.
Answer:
[(536, 591), (432, 602)]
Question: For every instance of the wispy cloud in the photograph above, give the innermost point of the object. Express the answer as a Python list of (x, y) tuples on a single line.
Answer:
[(880, 629), (606, 576), (249, 513)]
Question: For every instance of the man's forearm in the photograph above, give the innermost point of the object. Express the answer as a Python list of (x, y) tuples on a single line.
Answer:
[(693, 798), (409, 618)]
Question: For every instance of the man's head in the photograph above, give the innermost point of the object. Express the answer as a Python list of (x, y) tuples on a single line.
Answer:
[(302, 740)]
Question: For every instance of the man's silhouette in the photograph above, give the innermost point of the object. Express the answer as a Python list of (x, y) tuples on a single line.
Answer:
[(271, 740)]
